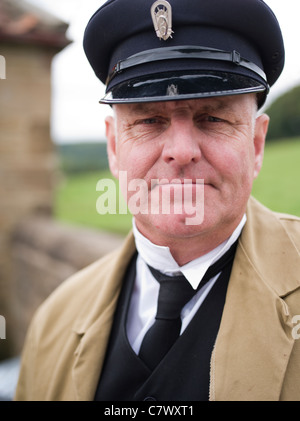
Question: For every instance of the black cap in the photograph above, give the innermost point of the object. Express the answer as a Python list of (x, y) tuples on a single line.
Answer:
[(146, 50)]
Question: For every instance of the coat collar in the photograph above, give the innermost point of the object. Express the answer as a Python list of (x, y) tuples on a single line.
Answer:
[(254, 341), (270, 250)]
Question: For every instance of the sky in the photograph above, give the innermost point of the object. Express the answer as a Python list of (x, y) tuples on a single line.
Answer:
[(76, 112)]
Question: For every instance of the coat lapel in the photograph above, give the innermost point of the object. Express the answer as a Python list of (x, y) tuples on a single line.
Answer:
[(254, 341), (93, 331)]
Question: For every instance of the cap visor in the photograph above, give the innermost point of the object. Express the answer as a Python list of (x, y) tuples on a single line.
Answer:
[(167, 86)]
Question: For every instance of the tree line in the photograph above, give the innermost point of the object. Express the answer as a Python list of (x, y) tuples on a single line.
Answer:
[(82, 156), (285, 116)]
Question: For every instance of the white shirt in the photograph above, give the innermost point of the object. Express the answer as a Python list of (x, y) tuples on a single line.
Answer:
[(143, 304)]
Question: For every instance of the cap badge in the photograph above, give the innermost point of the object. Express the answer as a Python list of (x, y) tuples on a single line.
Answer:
[(161, 13), (172, 90)]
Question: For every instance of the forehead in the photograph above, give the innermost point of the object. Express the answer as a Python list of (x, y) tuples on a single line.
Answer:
[(233, 104)]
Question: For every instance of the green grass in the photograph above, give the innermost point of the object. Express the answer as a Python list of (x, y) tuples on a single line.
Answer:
[(276, 187), (75, 202)]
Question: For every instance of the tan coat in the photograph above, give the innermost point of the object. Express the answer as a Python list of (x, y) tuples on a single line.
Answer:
[(255, 356)]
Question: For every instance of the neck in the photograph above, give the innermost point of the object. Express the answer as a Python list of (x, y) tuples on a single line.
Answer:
[(185, 252), (190, 247)]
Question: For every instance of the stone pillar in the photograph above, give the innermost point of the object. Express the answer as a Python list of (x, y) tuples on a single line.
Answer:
[(27, 155)]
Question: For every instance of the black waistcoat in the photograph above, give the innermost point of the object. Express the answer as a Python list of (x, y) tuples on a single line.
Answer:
[(183, 374)]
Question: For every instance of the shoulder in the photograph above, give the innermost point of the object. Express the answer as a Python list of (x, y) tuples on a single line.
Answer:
[(274, 223), (77, 294), (271, 242), (291, 225), (59, 323)]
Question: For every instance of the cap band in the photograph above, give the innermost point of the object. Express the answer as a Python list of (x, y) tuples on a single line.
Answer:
[(184, 52)]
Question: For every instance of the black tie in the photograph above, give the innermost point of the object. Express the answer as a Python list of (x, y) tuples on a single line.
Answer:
[(174, 293)]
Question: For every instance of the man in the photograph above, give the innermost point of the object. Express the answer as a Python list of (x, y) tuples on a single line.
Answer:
[(185, 80)]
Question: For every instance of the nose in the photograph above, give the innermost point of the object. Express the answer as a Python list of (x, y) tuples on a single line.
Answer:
[(181, 145)]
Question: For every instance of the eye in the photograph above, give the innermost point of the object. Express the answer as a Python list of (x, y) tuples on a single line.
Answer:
[(206, 120), (152, 120), (212, 119)]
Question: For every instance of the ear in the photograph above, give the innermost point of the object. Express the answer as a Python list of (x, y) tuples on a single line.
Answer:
[(111, 145), (261, 129)]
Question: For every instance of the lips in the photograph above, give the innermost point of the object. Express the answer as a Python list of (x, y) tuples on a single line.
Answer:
[(164, 182), (173, 183)]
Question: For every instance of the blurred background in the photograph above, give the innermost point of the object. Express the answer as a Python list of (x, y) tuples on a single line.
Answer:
[(53, 152)]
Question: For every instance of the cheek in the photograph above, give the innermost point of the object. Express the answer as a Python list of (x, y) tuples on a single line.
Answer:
[(136, 163), (235, 165), (138, 157), (135, 168)]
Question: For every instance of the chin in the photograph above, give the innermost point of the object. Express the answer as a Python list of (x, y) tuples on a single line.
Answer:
[(173, 226)]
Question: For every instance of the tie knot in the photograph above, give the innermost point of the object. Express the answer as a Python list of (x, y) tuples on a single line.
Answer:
[(174, 293)]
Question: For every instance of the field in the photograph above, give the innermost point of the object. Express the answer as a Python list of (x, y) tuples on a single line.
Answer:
[(278, 184), (276, 187), (76, 200)]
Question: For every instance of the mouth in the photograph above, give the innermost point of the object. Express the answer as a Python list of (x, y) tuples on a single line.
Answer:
[(184, 197), (176, 182)]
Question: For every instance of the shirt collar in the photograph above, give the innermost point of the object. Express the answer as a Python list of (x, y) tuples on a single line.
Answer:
[(161, 258)]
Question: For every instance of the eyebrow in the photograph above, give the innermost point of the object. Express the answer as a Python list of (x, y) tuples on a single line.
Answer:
[(144, 108), (219, 104)]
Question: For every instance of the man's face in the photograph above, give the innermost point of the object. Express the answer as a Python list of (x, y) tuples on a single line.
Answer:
[(217, 140)]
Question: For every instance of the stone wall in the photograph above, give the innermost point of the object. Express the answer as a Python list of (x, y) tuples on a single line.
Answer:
[(29, 39), (27, 155), (44, 254)]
